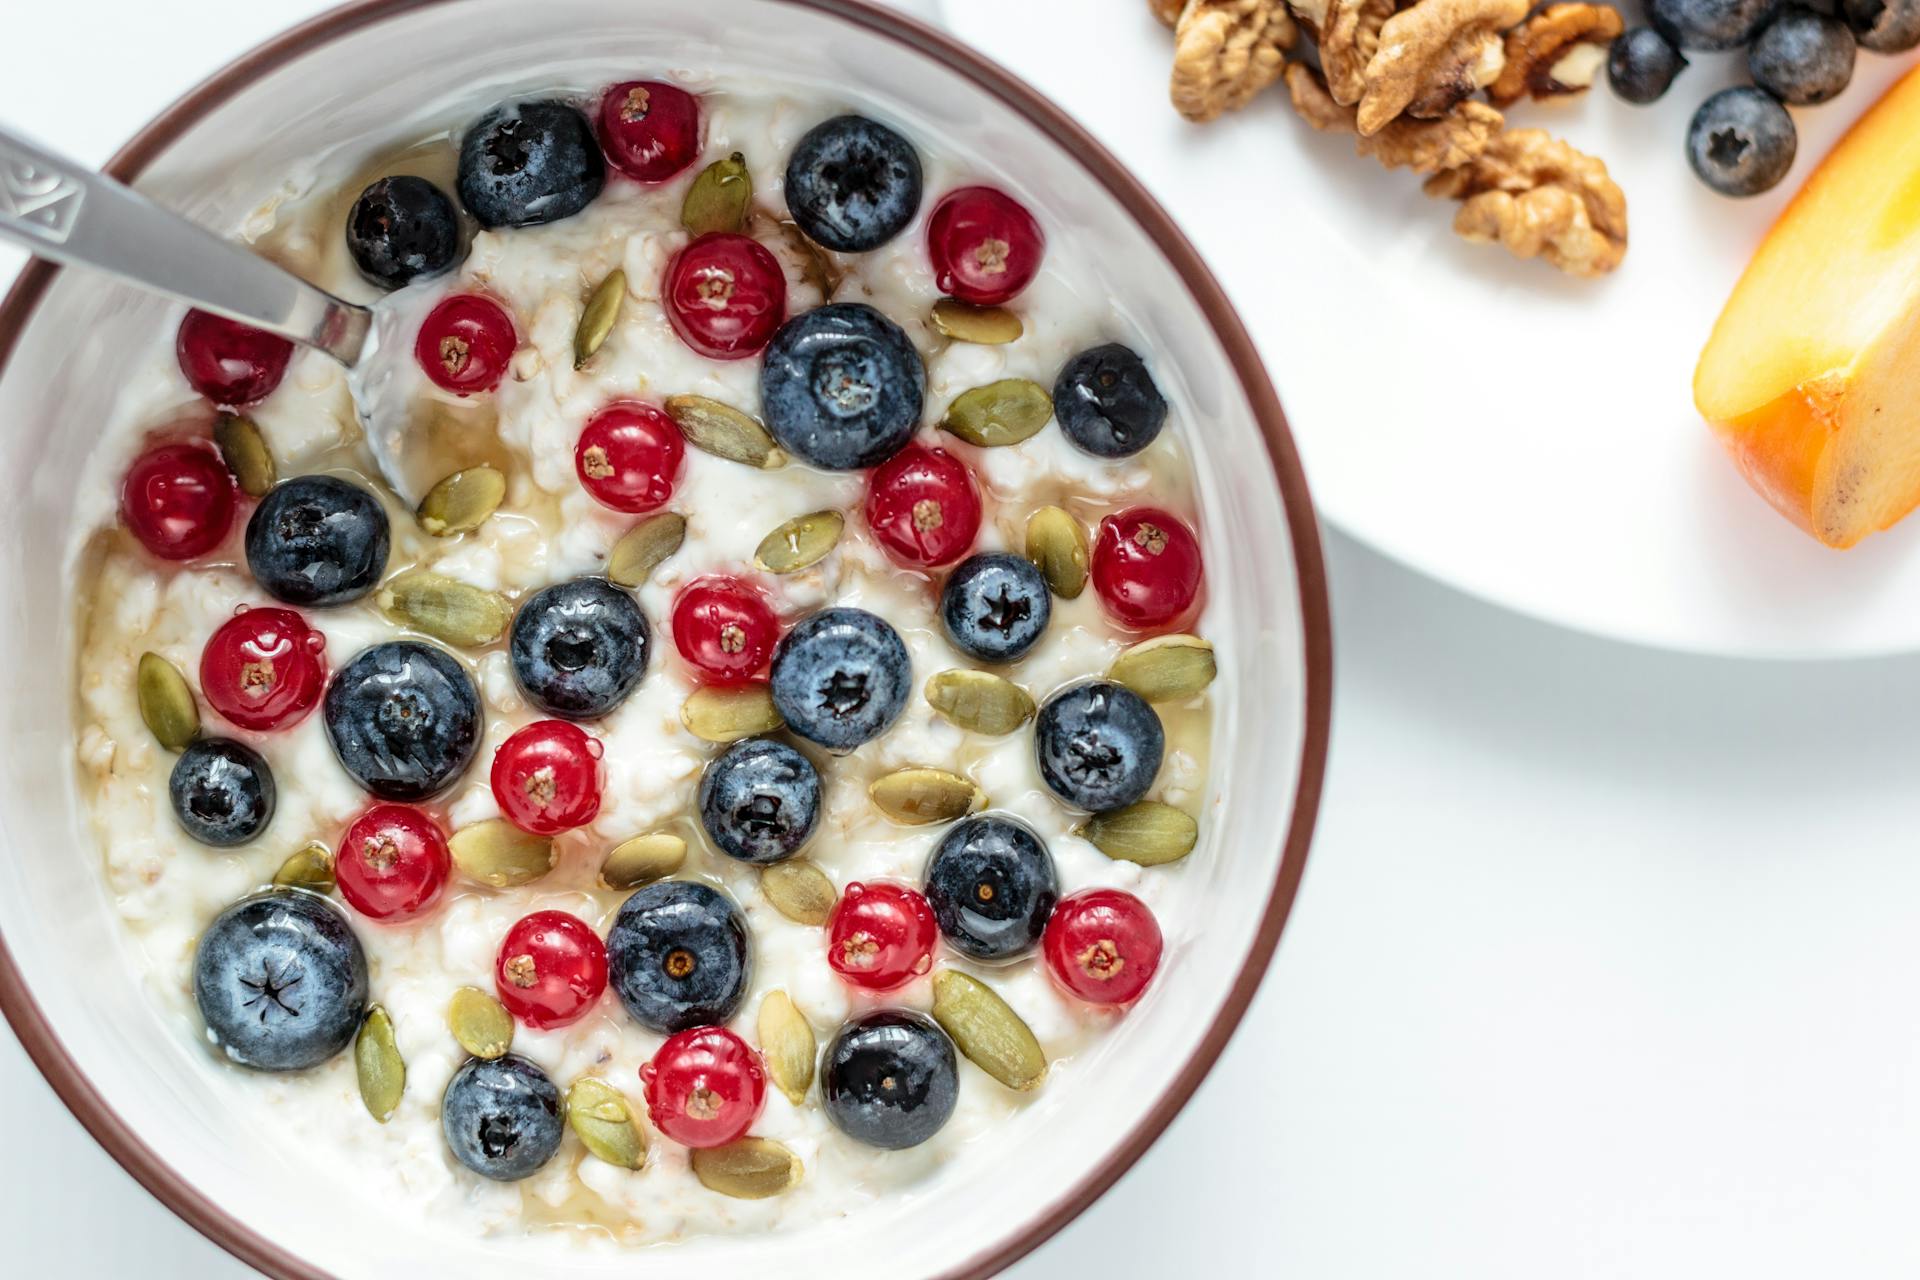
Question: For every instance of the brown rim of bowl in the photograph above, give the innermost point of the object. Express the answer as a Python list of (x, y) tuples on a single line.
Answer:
[(153, 1173)]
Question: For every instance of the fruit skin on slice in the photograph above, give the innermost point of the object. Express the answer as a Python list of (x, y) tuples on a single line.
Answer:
[(1812, 376)]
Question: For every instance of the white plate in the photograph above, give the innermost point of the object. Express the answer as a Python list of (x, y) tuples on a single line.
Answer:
[(1519, 435)]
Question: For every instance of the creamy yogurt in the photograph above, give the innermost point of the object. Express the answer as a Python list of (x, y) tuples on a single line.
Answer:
[(167, 887)]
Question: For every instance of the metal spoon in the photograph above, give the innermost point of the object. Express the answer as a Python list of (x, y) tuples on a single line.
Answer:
[(67, 213)]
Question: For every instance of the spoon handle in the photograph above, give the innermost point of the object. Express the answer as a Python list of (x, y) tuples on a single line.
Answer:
[(69, 214)]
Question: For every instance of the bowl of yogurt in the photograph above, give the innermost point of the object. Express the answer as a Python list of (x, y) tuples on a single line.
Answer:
[(809, 742)]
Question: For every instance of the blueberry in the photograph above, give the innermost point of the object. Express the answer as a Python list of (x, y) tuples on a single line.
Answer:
[(1641, 66), (841, 677), (501, 1118), (842, 387), (1803, 57), (222, 792), (529, 162), (280, 980), (760, 801), (992, 886), (404, 719), (1107, 402), (853, 184), (318, 540), (1741, 141), (579, 648), (1710, 26), (677, 956), (1099, 745), (402, 228), (1884, 26), (890, 1079), (995, 606)]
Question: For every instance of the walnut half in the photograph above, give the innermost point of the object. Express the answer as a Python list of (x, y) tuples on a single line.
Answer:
[(1424, 146), (1558, 50), (1434, 55), (1225, 52), (1537, 196)]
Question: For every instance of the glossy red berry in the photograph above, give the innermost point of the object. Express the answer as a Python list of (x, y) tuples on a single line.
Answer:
[(465, 344), (984, 244), (725, 295), (923, 506), (264, 668), (629, 455), (649, 130), (551, 969), (1102, 945), (230, 363), (724, 627), (881, 935), (1146, 567), (178, 500), (392, 864), (705, 1087), (546, 777)]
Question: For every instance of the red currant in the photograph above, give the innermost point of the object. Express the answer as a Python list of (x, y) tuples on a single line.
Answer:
[(984, 244), (705, 1087), (393, 863), (724, 627), (1103, 945), (546, 777), (230, 363), (1146, 567), (178, 500), (923, 506), (649, 130), (881, 936), (465, 343), (725, 294), (629, 455), (264, 668), (550, 970)]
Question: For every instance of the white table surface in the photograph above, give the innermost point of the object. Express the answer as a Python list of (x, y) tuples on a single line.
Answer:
[(1603, 965)]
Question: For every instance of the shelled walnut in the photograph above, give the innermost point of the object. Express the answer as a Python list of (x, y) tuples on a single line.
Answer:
[(1225, 52), (1557, 51), (1424, 146), (1539, 197)]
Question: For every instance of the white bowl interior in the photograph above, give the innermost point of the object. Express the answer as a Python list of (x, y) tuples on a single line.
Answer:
[(59, 387)]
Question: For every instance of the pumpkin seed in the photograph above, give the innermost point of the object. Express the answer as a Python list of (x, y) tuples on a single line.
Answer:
[(642, 548), (446, 609), (724, 431), (978, 701), (1057, 543), (245, 452), (718, 198), (480, 1024), (917, 796), (498, 853), (728, 713), (1003, 412), (603, 1119), (800, 543), (1147, 832), (799, 891), (598, 316), (787, 1046), (166, 702), (642, 860), (1165, 668), (382, 1071), (750, 1169), (310, 868), (817, 265), (964, 322), (462, 501), (987, 1030)]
